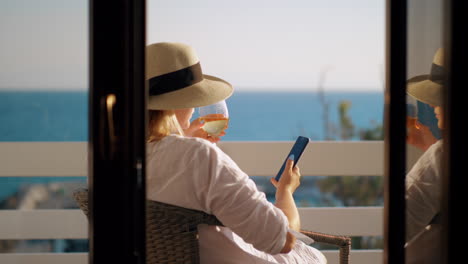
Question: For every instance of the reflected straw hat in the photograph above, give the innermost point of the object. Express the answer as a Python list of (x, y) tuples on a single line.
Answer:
[(176, 79), (428, 88)]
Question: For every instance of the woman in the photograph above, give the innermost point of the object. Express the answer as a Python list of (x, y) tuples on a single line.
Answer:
[(193, 173)]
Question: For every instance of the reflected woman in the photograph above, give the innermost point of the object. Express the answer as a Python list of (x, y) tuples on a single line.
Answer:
[(423, 181)]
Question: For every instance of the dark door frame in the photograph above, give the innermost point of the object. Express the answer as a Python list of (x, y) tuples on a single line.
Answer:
[(395, 131), (117, 106), (456, 134)]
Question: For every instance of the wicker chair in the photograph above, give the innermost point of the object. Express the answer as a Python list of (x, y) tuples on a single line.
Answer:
[(172, 235)]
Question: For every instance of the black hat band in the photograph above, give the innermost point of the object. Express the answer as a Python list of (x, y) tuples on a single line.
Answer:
[(437, 74), (177, 80)]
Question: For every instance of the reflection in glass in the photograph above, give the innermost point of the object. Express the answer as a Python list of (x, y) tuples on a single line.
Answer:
[(423, 181)]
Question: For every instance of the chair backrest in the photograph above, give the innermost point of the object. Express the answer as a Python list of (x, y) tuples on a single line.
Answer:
[(172, 234), (171, 231)]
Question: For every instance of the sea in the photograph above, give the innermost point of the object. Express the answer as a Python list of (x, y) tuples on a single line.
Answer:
[(254, 116), (27, 116)]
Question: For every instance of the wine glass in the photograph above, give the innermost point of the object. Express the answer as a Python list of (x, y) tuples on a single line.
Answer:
[(412, 112), (215, 118)]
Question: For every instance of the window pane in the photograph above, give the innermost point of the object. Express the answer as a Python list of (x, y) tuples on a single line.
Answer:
[(424, 126), (44, 117)]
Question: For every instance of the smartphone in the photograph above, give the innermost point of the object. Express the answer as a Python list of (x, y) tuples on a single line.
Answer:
[(297, 149)]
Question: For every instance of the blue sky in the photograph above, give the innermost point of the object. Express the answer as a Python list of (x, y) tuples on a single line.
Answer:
[(255, 45)]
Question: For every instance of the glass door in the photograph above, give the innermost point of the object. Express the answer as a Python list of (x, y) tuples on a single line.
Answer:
[(426, 140), (453, 186)]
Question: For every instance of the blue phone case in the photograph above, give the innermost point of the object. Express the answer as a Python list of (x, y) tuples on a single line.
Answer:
[(297, 149)]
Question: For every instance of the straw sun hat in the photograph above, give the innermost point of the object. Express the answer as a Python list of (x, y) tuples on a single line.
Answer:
[(176, 80), (428, 88)]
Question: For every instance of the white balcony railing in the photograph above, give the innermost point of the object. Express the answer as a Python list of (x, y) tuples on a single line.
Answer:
[(59, 159)]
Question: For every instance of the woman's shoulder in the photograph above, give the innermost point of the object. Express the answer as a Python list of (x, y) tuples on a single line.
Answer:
[(429, 163), (436, 149), (189, 149), (191, 141), (188, 143)]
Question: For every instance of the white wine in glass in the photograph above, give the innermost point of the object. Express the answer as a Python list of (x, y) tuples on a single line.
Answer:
[(215, 117), (412, 112)]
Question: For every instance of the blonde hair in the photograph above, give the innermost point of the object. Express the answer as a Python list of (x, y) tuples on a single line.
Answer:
[(162, 123)]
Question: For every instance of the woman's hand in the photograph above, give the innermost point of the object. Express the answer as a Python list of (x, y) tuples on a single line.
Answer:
[(290, 179), (195, 130), (419, 135)]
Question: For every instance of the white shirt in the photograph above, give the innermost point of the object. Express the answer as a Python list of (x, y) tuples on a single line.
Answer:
[(194, 173), (423, 190)]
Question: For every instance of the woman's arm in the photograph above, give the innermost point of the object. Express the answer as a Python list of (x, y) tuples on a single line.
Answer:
[(285, 188), (285, 202), (225, 191)]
